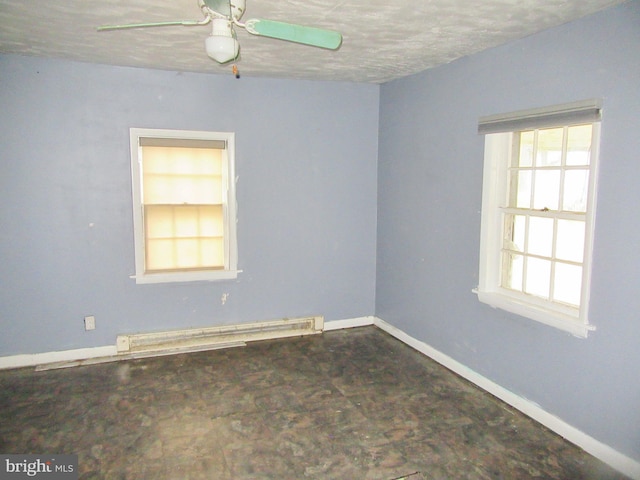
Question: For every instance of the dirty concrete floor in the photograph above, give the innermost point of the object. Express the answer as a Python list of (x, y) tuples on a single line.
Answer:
[(349, 404)]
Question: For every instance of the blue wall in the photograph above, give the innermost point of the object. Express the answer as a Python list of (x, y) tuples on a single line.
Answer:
[(306, 156), (429, 200)]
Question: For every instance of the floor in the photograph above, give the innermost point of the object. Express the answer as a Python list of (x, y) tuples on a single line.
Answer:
[(348, 404)]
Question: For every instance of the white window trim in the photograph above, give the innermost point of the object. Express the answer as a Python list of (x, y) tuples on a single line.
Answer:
[(231, 248), (498, 149)]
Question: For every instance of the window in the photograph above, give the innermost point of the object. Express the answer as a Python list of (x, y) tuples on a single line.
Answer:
[(538, 207), (183, 205)]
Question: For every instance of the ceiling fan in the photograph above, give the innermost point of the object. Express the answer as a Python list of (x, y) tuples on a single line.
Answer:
[(222, 45)]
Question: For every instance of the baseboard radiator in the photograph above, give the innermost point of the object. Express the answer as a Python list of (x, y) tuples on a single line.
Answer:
[(198, 339)]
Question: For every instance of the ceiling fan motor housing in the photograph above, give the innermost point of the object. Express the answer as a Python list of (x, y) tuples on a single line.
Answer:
[(232, 9), (237, 8)]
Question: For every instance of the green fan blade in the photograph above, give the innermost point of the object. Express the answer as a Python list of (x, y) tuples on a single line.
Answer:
[(315, 37), (143, 25)]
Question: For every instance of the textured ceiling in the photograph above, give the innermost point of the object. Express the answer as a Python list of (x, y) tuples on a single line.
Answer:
[(383, 40)]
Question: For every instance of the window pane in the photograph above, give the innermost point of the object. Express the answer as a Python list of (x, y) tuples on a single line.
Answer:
[(525, 158), (512, 271), (521, 197), (198, 190), (212, 252), (576, 188), (159, 254), (187, 253), (514, 233), (540, 236), (579, 145), (518, 235), (211, 221), (547, 190), (570, 240), (538, 277), (156, 188), (549, 147), (158, 221), (186, 222), (567, 283)]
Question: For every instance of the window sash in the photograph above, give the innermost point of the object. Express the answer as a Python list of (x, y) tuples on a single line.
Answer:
[(184, 238), (542, 220)]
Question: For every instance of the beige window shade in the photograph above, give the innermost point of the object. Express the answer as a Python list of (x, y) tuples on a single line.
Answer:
[(183, 205)]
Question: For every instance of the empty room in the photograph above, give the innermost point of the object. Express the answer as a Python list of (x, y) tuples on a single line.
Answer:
[(329, 239)]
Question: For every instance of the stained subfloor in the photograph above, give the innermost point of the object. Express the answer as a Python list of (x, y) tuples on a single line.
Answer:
[(350, 405)]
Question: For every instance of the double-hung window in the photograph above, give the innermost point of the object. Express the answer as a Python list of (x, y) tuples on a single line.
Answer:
[(183, 205), (538, 208)]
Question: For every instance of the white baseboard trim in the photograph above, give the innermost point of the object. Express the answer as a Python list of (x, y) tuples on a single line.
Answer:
[(348, 323), (601, 451), (34, 359)]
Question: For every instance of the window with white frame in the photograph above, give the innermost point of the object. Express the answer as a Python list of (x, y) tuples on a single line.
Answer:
[(538, 207), (184, 207)]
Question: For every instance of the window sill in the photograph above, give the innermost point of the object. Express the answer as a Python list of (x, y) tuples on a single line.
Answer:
[(552, 318), (204, 276)]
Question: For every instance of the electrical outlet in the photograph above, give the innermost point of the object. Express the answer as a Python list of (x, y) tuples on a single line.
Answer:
[(90, 323)]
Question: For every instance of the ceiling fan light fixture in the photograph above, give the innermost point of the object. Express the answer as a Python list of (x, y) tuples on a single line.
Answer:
[(222, 45)]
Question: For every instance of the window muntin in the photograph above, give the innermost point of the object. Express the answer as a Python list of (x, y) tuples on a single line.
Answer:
[(184, 205), (538, 209)]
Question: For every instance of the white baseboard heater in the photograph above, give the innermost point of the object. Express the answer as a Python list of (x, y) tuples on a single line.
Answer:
[(198, 339)]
